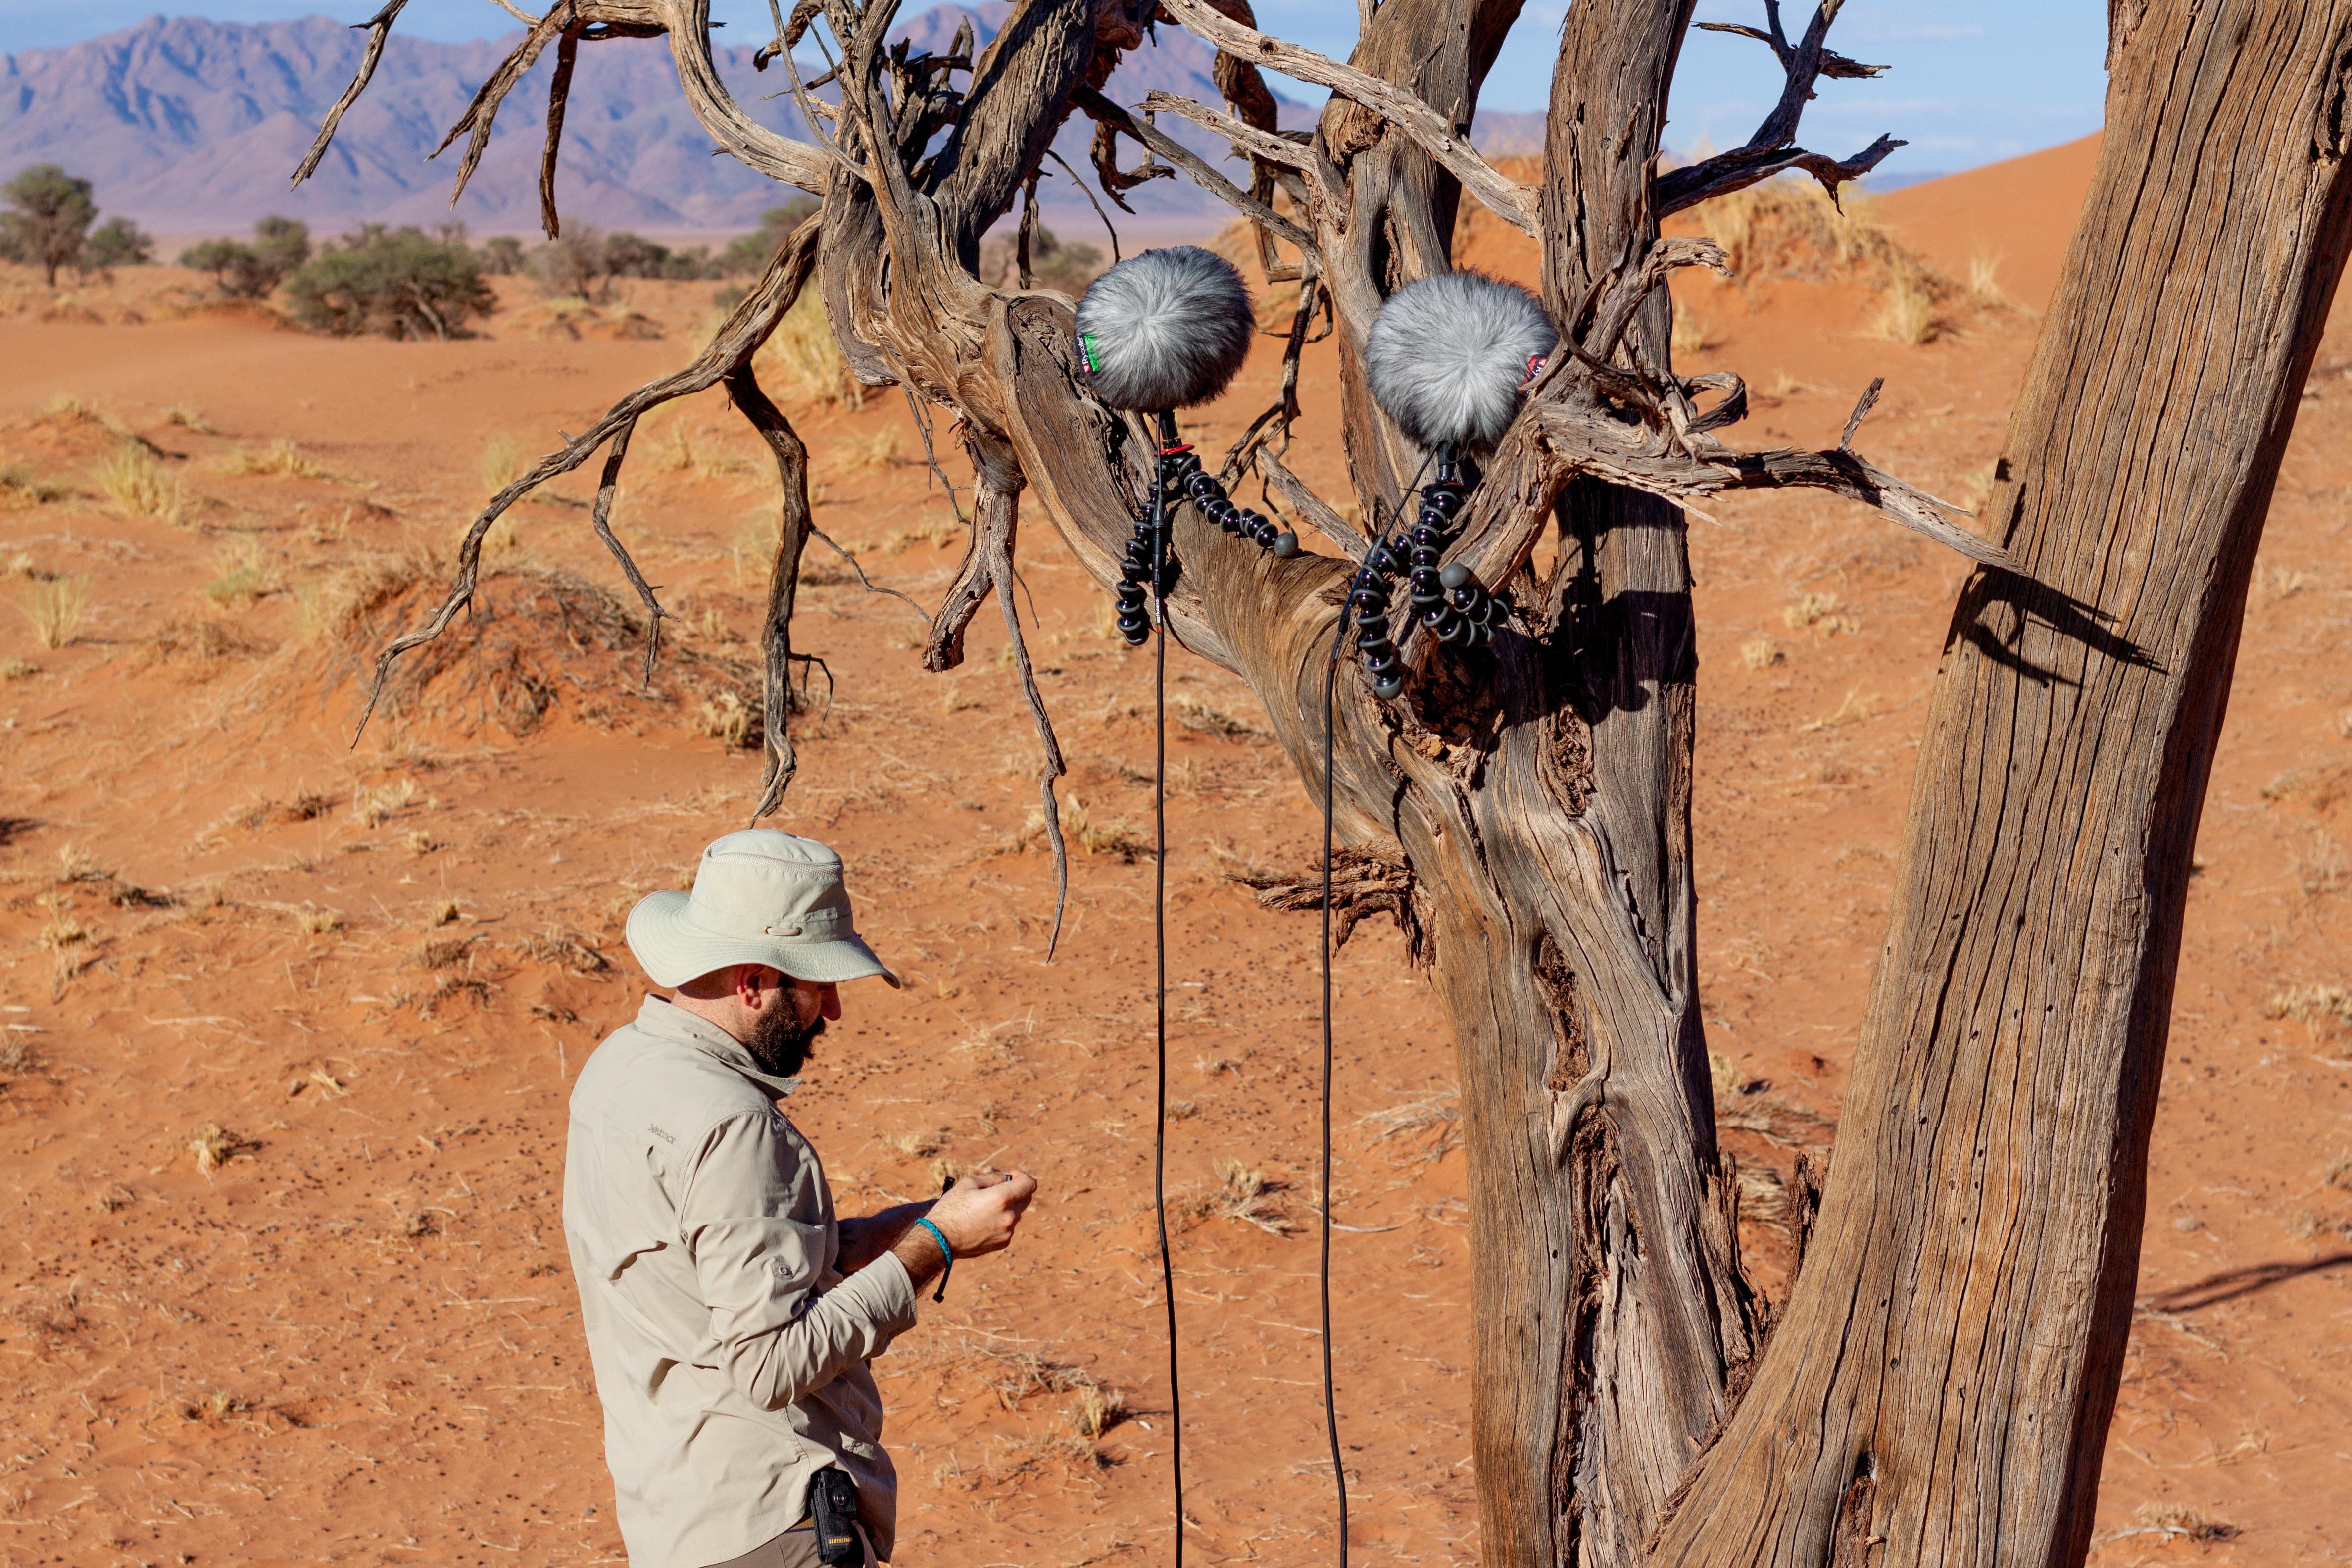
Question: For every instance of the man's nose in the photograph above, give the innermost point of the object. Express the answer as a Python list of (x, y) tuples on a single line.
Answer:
[(829, 1002)]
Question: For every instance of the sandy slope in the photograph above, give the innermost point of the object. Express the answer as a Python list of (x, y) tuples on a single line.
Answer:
[(354, 1341)]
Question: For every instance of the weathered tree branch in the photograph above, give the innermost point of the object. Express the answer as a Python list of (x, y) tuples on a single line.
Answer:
[(1772, 151), (559, 95), (1105, 112), (793, 526), (1513, 202), (379, 28)]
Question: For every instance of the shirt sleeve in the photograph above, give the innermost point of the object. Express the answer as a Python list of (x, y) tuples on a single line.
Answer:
[(778, 1335)]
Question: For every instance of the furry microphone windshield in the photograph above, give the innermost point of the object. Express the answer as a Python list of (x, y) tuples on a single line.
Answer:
[(1166, 330), (1448, 354)]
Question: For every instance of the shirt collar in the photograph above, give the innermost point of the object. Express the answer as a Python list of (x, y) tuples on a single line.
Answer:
[(666, 1020)]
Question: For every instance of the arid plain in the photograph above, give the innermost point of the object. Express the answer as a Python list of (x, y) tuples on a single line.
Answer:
[(289, 1022)]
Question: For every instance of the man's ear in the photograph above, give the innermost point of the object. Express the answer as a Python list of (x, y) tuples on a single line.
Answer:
[(750, 981)]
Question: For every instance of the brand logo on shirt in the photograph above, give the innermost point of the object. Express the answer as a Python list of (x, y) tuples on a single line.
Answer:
[(659, 1133)]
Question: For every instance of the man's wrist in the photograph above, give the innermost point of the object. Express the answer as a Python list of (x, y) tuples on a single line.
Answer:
[(919, 1254)]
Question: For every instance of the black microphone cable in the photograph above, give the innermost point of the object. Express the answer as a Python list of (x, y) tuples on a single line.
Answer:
[(1160, 508), (1323, 1271)]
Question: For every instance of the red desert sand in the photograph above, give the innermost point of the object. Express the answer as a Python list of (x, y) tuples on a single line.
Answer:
[(290, 1025)]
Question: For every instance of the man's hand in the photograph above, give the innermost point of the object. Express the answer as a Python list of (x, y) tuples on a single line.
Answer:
[(980, 1213)]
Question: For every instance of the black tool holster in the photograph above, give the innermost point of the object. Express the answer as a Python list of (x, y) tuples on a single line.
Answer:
[(833, 1507)]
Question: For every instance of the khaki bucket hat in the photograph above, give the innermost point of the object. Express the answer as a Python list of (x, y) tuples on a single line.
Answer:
[(761, 896)]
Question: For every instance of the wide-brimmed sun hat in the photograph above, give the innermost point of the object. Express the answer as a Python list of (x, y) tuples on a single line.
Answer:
[(761, 896)]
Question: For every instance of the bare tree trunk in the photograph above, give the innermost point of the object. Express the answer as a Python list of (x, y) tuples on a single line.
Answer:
[(1940, 1387)]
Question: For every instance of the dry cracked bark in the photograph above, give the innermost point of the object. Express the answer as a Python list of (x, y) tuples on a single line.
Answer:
[(1527, 808)]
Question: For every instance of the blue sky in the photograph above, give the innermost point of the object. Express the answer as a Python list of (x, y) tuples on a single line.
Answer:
[(1973, 80)]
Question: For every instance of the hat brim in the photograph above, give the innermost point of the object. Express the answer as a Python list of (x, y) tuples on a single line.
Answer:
[(673, 950)]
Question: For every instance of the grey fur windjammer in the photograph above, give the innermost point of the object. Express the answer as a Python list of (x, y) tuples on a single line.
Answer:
[(1448, 354), (1166, 329)]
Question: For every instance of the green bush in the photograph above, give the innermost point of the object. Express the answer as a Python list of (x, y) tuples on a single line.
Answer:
[(116, 242), (395, 282), (501, 255), (280, 246), (751, 252), (584, 261)]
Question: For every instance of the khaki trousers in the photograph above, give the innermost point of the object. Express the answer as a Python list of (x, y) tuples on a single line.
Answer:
[(795, 1548)]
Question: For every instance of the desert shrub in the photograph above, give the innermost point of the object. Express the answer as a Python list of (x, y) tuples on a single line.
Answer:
[(575, 266), (394, 282), (1053, 262), (280, 246), (116, 242), (630, 254), (1789, 227), (501, 255), (535, 640), (750, 252)]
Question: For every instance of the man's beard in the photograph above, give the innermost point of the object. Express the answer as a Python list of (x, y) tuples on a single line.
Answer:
[(779, 1044)]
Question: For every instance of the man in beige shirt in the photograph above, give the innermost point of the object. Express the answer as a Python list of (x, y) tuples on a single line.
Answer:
[(730, 1317)]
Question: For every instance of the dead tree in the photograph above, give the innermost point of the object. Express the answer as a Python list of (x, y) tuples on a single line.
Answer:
[(1938, 1386)]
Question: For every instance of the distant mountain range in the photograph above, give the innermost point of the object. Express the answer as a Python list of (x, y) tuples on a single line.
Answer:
[(194, 126)]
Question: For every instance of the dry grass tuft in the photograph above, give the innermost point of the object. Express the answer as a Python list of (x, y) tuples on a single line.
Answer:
[(1115, 839), (945, 1172), (54, 609), (15, 669), (245, 574), (574, 953), (20, 490), (1204, 717), (2310, 1004), (318, 923), (726, 717), (54, 1318), (282, 458), (1761, 653), (918, 1144), (1819, 614), (1246, 1194), (61, 931), (1097, 1410), (443, 953), (1433, 1124), (214, 1146), (140, 485), (1692, 334), (198, 644), (1908, 313), (217, 1406), (501, 461), (2180, 1521), (802, 354), (107, 1200), (188, 417)]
